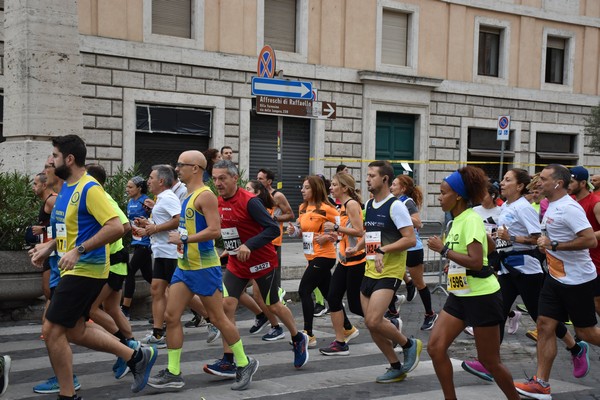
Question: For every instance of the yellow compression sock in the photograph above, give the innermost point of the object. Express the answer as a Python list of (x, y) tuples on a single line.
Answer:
[(238, 352), (174, 364)]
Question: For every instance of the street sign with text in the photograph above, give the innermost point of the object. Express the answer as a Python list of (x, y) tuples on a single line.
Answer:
[(297, 108)]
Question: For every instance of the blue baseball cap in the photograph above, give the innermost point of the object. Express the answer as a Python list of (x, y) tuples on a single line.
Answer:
[(579, 173)]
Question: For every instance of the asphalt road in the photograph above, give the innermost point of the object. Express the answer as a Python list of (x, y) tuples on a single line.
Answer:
[(351, 377)]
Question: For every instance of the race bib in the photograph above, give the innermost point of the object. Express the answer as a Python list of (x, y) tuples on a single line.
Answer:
[(181, 246), (152, 239), (307, 242), (260, 267), (231, 240), (503, 245), (133, 230), (372, 243), (489, 228), (61, 239), (457, 279), (338, 221), (50, 236)]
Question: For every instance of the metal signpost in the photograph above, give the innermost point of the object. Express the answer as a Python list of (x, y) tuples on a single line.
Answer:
[(281, 97), (503, 137)]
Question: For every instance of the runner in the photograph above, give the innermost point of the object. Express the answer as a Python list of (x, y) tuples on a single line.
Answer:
[(389, 233), (475, 298), (590, 202), (404, 188), (568, 290), (85, 224), (137, 190), (163, 219), (350, 269), (106, 311), (519, 270), (318, 245), (198, 272), (247, 230)]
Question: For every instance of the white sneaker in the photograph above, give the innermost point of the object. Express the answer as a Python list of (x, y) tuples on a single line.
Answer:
[(151, 340), (513, 323), (213, 333)]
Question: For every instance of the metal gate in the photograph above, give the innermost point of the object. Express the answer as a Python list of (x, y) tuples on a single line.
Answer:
[(296, 152)]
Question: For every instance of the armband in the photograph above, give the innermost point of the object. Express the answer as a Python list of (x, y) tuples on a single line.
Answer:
[(445, 251)]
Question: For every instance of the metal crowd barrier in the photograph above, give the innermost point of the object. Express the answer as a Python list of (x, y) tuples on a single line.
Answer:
[(434, 265)]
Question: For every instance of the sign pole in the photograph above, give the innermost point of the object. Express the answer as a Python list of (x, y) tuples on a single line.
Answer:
[(279, 153), (501, 160)]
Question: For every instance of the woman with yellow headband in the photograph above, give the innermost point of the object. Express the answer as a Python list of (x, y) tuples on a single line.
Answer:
[(474, 298)]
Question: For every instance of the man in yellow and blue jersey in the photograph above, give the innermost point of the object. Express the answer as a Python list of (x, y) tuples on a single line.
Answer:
[(198, 272), (84, 225)]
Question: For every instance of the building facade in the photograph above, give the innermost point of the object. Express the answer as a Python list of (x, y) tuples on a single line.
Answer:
[(421, 81)]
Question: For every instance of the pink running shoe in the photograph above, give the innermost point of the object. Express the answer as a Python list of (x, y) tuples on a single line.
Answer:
[(476, 368), (581, 362)]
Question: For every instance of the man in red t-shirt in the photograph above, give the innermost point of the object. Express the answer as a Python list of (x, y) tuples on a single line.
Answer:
[(579, 190), (247, 230)]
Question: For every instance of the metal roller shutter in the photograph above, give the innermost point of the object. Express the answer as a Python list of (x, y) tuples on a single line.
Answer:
[(296, 152)]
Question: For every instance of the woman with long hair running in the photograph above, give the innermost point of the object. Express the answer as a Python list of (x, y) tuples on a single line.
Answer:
[(350, 269), (405, 189), (319, 248), (475, 298)]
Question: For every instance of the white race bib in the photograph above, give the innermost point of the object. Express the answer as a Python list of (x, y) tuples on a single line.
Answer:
[(133, 229), (372, 243), (231, 240), (457, 279), (307, 242), (61, 239)]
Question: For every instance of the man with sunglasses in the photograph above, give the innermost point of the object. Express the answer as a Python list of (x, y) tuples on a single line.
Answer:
[(164, 218)]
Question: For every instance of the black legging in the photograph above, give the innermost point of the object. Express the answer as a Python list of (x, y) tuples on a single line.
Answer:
[(346, 279), (142, 260), (317, 274), (529, 287)]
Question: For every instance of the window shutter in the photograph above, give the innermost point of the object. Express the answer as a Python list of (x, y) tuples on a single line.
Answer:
[(555, 43), (394, 37), (280, 24), (172, 18)]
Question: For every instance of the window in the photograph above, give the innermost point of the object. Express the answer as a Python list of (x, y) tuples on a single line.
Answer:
[(172, 18), (162, 133), (555, 148), (394, 37), (280, 24), (489, 51), (558, 60), (484, 151), (555, 60)]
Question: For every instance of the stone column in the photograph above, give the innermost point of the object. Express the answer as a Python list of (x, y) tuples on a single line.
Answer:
[(42, 90)]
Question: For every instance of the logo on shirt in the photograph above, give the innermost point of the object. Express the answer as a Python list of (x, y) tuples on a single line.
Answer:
[(75, 198), (189, 213)]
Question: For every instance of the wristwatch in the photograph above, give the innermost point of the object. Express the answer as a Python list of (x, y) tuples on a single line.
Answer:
[(81, 249), (183, 238), (554, 245), (513, 239), (378, 250), (336, 227)]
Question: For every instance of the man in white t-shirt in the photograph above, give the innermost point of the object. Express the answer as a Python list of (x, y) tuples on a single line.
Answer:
[(568, 291), (164, 218)]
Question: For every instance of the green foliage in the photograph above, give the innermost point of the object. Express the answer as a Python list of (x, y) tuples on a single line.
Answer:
[(592, 128), (116, 184), (18, 209)]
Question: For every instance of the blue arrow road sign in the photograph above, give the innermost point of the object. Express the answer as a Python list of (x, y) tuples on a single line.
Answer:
[(281, 88)]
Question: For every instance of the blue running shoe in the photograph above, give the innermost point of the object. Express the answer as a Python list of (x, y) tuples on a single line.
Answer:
[(391, 375), (52, 386), (301, 351), (222, 368), (141, 369), (411, 355)]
